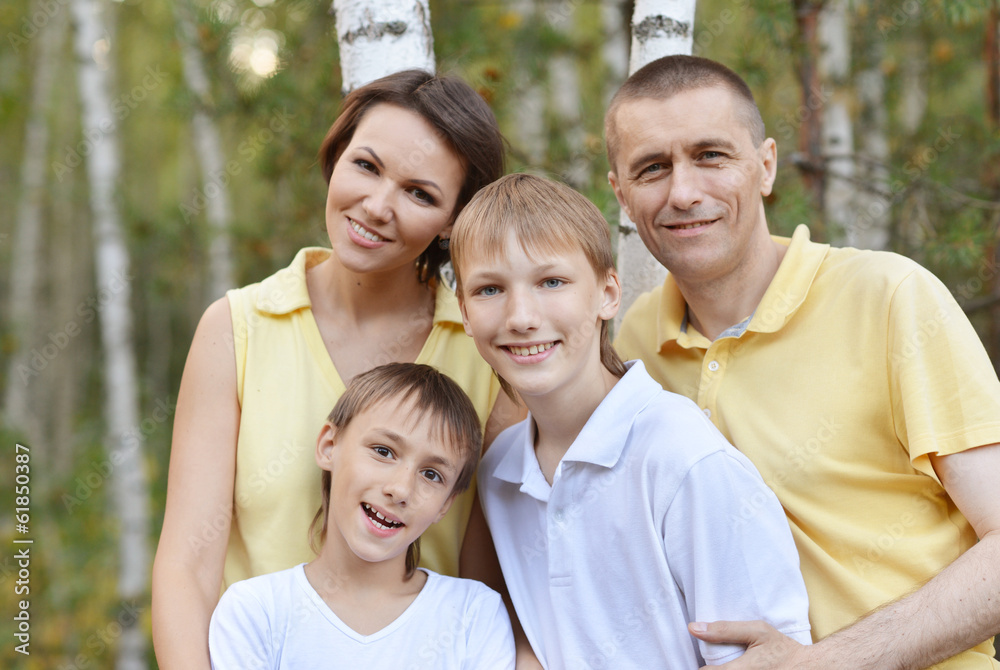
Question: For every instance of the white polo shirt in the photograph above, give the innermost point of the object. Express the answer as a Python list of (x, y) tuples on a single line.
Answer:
[(653, 520)]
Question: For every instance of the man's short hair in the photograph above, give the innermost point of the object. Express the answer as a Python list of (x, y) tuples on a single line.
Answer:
[(670, 75)]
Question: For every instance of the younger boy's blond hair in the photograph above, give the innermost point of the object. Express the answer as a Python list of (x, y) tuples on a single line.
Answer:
[(545, 217)]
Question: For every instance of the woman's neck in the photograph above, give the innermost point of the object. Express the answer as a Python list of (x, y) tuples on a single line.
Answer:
[(363, 296)]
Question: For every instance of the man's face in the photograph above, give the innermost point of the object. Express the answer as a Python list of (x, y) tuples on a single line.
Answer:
[(688, 174)]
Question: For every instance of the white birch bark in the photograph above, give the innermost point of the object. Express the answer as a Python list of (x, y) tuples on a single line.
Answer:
[(211, 159), (26, 257), (913, 93), (615, 46), (834, 66), (564, 83), (528, 132), (379, 38), (873, 197), (127, 475), (659, 28)]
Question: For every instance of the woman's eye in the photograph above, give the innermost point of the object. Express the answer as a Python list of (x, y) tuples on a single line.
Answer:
[(365, 165), (423, 196), (433, 475), (552, 283)]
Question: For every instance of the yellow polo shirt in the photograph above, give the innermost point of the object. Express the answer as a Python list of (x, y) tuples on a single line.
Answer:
[(855, 366), (286, 386)]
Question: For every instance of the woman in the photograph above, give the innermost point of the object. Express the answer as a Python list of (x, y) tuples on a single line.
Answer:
[(268, 361)]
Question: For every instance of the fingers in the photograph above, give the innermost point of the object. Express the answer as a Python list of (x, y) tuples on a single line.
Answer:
[(731, 632)]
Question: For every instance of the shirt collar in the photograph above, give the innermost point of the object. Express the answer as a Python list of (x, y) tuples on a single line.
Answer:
[(286, 291), (603, 438), (783, 297)]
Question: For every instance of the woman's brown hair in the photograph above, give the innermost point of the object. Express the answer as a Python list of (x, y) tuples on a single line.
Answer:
[(460, 115)]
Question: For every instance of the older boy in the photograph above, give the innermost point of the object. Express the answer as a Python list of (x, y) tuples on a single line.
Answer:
[(618, 512)]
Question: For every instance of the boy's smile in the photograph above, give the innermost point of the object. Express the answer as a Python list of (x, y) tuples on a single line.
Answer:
[(536, 317)]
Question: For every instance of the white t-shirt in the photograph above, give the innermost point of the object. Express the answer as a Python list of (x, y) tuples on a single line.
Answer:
[(652, 521), (278, 620)]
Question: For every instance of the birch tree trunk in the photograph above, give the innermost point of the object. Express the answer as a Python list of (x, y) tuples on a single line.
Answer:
[(809, 159), (379, 38), (564, 83), (125, 463), (659, 29), (529, 104), (615, 46), (26, 257), (839, 192), (211, 159), (874, 198)]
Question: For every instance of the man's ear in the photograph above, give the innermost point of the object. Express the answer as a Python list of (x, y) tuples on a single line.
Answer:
[(612, 295), (325, 443), (616, 187), (769, 159)]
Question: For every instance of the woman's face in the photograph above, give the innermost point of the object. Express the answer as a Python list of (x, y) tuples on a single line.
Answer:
[(392, 191)]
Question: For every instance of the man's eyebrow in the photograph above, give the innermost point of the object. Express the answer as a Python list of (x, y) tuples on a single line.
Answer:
[(714, 143)]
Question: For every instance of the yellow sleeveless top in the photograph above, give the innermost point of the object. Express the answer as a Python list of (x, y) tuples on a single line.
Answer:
[(286, 386)]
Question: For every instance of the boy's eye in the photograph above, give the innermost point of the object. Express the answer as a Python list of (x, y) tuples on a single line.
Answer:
[(383, 451), (488, 291), (552, 282), (433, 475)]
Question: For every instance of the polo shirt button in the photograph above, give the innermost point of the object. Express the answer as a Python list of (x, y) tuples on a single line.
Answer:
[(707, 412), (713, 366)]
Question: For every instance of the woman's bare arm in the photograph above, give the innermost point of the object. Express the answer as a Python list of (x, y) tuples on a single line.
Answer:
[(187, 571)]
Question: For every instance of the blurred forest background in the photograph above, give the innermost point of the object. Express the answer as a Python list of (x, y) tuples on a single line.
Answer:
[(885, 112)]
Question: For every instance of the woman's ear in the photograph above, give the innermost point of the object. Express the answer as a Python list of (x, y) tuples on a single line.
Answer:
[(325, 443)]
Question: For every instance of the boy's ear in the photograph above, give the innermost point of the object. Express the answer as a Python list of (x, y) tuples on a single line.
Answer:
[(465, 316), (446, 507), (612, 296), (324, 446)]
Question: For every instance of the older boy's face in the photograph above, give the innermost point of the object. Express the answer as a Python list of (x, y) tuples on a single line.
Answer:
[(537, 319), (690, 177), (392, 476)]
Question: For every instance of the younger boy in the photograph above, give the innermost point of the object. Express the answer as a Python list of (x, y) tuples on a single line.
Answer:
[(397, 448), (619, 513)]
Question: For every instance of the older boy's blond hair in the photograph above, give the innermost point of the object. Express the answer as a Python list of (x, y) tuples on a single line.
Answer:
[(545, 217)]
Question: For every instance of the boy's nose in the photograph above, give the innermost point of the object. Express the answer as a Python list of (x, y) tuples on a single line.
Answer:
[(522, 311), (399, 487)]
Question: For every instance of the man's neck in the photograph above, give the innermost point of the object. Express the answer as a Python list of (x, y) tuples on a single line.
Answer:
[(715, 306)]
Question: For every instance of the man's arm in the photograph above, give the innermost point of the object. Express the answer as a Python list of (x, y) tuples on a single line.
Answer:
[(954, 611)]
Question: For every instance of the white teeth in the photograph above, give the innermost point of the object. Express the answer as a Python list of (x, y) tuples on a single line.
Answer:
[(379, 515), (366, 234), (532, 350), (388, 525)]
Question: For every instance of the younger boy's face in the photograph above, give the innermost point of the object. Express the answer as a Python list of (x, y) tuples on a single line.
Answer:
[(537, 319), (392, 475)]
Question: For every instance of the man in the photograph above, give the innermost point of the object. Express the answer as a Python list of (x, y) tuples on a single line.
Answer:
[(851, 379)]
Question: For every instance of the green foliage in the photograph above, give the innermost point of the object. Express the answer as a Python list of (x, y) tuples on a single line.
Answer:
[(943, 194)]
